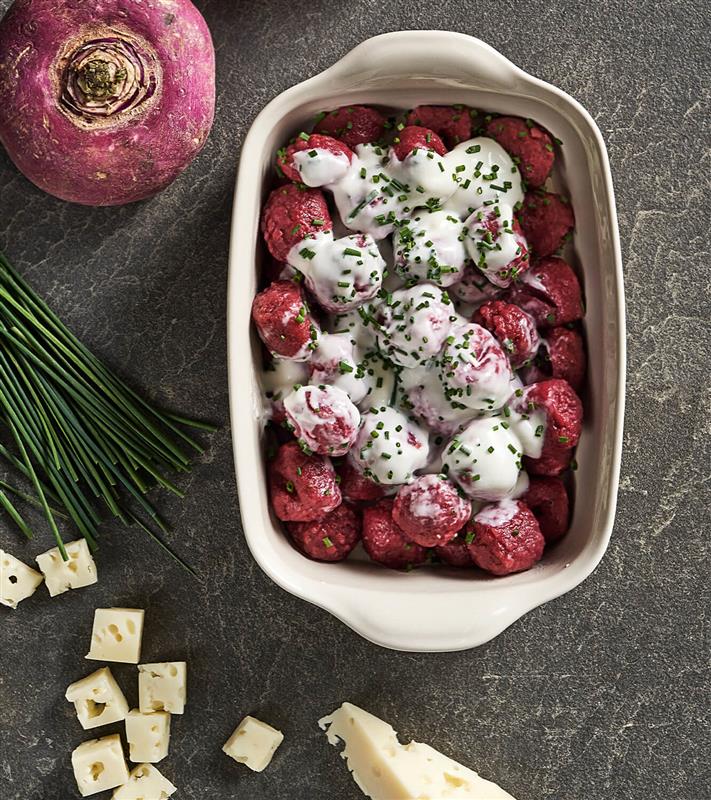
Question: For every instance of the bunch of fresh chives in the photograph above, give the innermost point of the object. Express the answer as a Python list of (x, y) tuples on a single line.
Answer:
[(84, 439)]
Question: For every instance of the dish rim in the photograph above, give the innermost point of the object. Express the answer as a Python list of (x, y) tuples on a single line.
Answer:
[(512, 604)]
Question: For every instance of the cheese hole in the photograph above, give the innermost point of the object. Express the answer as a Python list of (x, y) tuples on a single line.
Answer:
[(93, 709), (173, 671), (96, 769), (13, 578), (453, 780), (131, 627), (114, 631), (154, 728), (377, 772), (6, 563), (73, 566), (156, 705)]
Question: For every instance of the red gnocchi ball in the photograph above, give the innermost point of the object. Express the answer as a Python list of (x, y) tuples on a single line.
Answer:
[(329, 539), (548, 500), (303, 487), (414, 137), (355, 486), (296, 159), (528, 143), (566, 354), (456, 552), (385, 542), (554, 461), (546, 220), (550, 292), (353, 125), (563, 424), (562, 407), (430, 511), (290, 215), (452, 123), (284, 322), (505, 538), (514, 329)]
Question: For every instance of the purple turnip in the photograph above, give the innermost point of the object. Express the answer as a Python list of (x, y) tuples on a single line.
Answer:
[(105, 102)]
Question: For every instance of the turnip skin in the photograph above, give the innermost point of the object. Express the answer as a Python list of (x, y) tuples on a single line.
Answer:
[(125, 157)]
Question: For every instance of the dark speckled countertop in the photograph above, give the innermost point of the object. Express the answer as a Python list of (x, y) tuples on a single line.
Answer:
[(602, 693)]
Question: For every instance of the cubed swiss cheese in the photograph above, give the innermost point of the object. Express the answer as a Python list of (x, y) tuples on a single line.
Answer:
[(17, 580), (145, 783), (148, 736), (253, 743), (75, 573), (99, 765), (384, 769), (98, 699), (162, 687), (116, 635)]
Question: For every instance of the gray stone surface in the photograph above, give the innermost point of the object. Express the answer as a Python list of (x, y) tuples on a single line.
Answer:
[(602, 693)]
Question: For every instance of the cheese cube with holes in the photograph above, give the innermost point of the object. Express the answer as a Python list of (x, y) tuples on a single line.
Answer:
[(17, 580), (253, 743), (98, 699), (145, 783), (148, 736), (162, 687), (116, 635), (384, 769), (75, 573), (99, 765)]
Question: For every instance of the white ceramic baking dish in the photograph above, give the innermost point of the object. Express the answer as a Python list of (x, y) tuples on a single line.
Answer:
[(435, 609)]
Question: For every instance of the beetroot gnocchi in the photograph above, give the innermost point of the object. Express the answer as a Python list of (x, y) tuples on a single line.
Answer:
[(423, 330)]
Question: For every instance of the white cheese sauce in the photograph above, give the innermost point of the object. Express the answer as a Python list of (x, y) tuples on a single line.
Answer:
[(424, 395), (279, 378), (320, 167), (493, 244), (485, 460), (390, 448), (376, 189), (341, 273), (414, 323), (430, 247), (318, 414), (474, 369), (380, 377), (337, 361), (497, 514)]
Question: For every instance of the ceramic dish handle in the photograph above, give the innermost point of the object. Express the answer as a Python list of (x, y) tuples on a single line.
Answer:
[(446, 56), (446, 622)]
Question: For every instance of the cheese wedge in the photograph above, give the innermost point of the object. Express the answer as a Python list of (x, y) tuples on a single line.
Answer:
[(384, 769)]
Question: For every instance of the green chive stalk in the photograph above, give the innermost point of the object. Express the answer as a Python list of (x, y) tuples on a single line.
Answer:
[(89, 445)]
